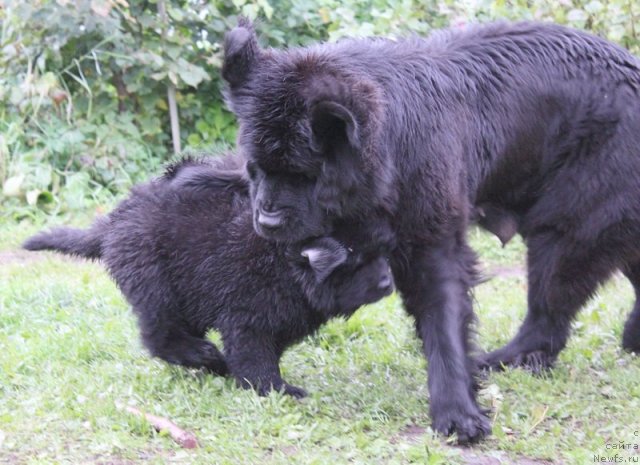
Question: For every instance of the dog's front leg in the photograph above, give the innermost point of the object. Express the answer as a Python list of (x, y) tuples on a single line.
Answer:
[(435, 284)]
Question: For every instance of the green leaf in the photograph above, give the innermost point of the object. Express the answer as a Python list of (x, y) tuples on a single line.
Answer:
[(191, 74), (219, 120), (194, 139), (202, 126), (173, 78), (12, 186), (576, 15), (250, 10), (594, 7), (266, 7), (158, 76), (32, 197), (41, 176), (176, 14), (75, 190)]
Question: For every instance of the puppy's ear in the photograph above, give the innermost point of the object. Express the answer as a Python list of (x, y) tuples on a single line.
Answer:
[(332, 123), (241, 52), (324, 255)]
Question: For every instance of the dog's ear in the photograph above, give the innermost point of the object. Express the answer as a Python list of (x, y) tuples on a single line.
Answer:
[(324, 256), (241, 53), (333, 123)]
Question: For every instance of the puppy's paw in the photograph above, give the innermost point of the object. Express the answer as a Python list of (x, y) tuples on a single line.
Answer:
[(265, 388), (294, 391), (217, 367), (213, 361)]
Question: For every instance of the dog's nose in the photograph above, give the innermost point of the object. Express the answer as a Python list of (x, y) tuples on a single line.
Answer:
[(270, 219), (385, 282)]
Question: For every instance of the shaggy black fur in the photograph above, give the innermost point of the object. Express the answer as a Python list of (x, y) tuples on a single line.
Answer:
[(538, 121), (184, 253)]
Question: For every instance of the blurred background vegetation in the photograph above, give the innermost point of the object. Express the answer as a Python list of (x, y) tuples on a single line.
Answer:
[(84, 107)]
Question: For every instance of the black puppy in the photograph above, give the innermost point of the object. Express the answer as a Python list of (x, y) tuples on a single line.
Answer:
[(184, 253)]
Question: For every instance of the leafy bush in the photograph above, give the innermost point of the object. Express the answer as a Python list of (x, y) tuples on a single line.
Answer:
[(83, 84), (83, 88)]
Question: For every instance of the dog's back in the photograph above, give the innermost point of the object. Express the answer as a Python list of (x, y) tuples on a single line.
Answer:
[(179, 238), (170, 246)]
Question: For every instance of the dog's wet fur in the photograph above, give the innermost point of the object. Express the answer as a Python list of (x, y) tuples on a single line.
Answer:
[(524, 127)]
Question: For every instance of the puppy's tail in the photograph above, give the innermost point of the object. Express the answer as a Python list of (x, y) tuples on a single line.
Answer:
[(85, 243)]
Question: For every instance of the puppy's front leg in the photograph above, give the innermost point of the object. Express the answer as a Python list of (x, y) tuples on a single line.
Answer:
[(253, 360)]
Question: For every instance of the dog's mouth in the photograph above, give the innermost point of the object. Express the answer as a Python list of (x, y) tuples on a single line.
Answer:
[(385, 292), (290, 228), (388, 291), (384, 287), (283, 233)]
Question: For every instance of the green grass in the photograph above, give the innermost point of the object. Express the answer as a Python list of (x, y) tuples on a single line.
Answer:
[(70, 357)]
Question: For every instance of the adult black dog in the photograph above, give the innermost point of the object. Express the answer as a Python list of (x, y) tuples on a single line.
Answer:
[(536, 120), (183, 251)]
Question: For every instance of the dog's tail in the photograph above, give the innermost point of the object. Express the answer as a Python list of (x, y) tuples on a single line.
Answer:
[(85, 243)]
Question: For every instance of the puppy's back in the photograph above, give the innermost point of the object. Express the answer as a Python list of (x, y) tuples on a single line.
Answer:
[(186, 242)]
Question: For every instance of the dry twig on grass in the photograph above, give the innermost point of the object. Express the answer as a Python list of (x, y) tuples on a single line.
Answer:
[(185, 438)]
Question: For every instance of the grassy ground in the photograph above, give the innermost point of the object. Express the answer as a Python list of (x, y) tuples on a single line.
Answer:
[(70, 356)]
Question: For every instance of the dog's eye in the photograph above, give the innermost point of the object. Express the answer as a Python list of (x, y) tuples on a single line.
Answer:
[(299, 178), (252, 169)]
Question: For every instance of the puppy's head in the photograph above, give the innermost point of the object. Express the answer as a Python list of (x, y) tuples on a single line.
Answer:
[(346, 272)]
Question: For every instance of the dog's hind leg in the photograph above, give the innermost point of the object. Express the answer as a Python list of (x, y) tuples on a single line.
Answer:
[(562, 276), (631, 334), (189, 351), (172, 342)]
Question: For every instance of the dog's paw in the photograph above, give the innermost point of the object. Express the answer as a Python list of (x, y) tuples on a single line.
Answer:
[(469, 426), (213, 361), (266, 388), (491, 361), (294, 391), (535, 361), (217, 367)]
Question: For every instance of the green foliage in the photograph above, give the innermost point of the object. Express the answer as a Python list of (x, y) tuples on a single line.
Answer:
[(83, 84), (83, 90)]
